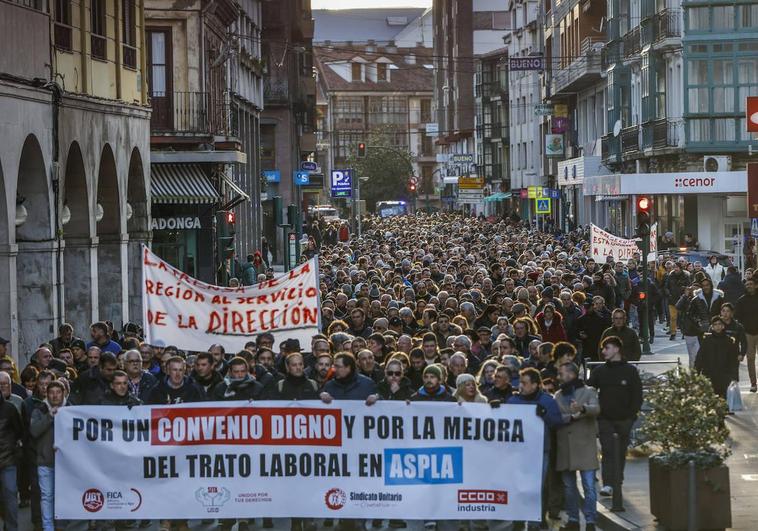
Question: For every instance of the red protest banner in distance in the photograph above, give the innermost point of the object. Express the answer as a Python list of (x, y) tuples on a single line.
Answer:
[(752, 114), (752, 189)]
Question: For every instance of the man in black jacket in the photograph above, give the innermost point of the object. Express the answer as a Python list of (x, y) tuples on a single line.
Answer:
[(620, 329), (591, 326), (502, 390), (620, 393), (11, 434), (140, 380), (433, 390), (205, 373), (92, 385), (295, 385), (747, 314), (238, 384), (118, 394), (176, 388)]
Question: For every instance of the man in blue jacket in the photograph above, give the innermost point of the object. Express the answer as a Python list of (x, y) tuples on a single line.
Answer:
[(347, 383), (531, 393)]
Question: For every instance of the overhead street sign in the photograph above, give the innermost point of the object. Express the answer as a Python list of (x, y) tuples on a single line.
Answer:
[(534, 62), (341, 183), (460, 158)]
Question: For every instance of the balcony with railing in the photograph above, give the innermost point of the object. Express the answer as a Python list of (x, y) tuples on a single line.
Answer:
[(630, 140), (191, 113), (499, 131), (583, 70), (662, 134), (632, 43), (610, 150), (668, 28)]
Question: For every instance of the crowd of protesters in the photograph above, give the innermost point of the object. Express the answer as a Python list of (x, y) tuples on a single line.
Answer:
[(438, 308)]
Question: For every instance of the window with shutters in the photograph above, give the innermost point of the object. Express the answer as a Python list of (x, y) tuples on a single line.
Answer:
[(129, 33), (62, 27), (98, 40)]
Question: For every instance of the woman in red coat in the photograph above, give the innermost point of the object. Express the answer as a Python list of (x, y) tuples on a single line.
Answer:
[(550, 324)]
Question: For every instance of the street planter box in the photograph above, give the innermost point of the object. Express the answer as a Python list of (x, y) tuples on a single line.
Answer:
[(668, 496)]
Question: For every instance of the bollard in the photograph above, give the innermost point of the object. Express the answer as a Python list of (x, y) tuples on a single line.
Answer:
[(617, 504), (691, 498)]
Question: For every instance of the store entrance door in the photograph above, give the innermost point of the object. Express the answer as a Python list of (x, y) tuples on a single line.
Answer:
[(735, 231)]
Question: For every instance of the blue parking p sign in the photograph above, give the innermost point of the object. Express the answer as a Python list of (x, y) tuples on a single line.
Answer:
[(342, 183)]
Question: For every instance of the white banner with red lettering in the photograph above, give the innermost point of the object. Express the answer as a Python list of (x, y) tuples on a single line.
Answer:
[(603, 244), (299, 459), (190, 314)]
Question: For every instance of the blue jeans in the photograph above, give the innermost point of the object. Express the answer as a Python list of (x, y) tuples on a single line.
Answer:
[(572, 495), (9, 497), (46, 476)]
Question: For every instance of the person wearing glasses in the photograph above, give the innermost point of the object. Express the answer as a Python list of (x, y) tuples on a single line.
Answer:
[(140, 381), (395, 385)]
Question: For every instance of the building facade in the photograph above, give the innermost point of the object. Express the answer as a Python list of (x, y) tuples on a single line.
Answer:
[(463, 30), (677, 79), (196, 150), (74, 163), (288, 119), (371, 90)]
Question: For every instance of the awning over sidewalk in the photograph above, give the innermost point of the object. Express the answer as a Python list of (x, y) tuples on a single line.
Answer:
[(181, 183), (498, 196)]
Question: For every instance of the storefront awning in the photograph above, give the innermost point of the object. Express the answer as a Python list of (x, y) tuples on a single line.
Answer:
[(239, 195), (180, 183), (498, 196)]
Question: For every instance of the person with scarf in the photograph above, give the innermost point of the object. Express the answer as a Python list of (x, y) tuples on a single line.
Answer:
[(550, 323), (348, 384), (295, 385), (433, 390), (501, 391), (42, 432), (576, 444), (238, 383)]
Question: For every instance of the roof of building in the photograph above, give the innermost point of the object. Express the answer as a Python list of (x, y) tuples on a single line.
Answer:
[(360, 25), (404, 77)]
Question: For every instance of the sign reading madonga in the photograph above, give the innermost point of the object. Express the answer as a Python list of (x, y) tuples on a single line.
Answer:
[(299, 459)]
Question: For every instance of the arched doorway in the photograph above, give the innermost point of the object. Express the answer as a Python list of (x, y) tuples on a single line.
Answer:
[(36, 275), (111, 248), (137, 225), (80, 251)]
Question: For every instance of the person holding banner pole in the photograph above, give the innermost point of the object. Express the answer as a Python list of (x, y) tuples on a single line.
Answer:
[(42, 432)]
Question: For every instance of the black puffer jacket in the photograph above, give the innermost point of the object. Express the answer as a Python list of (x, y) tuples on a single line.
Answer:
[(11, 432)]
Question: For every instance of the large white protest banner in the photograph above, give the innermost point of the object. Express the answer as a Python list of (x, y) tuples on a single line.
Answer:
[(299, 459), (193, 315), (603, 244)]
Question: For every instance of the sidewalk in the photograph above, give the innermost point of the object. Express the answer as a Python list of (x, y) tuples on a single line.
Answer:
[(743, 463)]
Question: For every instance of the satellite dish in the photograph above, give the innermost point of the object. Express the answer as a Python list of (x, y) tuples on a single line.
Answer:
[(617, 128)]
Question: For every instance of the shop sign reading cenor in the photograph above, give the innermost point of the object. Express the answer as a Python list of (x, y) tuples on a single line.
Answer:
[(176, 223)]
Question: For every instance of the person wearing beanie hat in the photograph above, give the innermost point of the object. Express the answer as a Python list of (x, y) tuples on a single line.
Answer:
[(466, 389), (433, 390)]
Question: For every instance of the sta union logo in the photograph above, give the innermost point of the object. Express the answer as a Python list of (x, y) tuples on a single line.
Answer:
[(335, 499), (93, 500)]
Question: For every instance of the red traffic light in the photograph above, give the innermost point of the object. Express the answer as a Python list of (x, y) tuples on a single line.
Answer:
[(644, 204), (361, 149), (230, 218)]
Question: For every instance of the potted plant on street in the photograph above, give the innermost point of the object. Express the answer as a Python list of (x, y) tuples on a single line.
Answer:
[(686, 424)]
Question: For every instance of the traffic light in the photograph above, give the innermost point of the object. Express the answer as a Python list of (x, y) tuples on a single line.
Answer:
[(277, 205), (361, 150), (292, 216), (225, 230), (412, 187), (643, 216)]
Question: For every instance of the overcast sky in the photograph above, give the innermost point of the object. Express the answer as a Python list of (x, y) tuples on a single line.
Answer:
[(350, 4)]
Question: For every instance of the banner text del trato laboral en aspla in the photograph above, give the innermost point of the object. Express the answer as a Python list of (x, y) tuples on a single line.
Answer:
[(299, 459), (193, 315)]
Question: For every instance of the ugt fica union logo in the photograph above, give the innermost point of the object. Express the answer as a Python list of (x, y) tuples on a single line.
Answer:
[(93, 500)]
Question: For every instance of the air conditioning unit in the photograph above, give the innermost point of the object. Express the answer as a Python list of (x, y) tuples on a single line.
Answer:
[(717, 163)]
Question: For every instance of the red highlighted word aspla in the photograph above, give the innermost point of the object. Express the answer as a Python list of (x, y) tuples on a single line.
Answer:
[(245, 425)]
